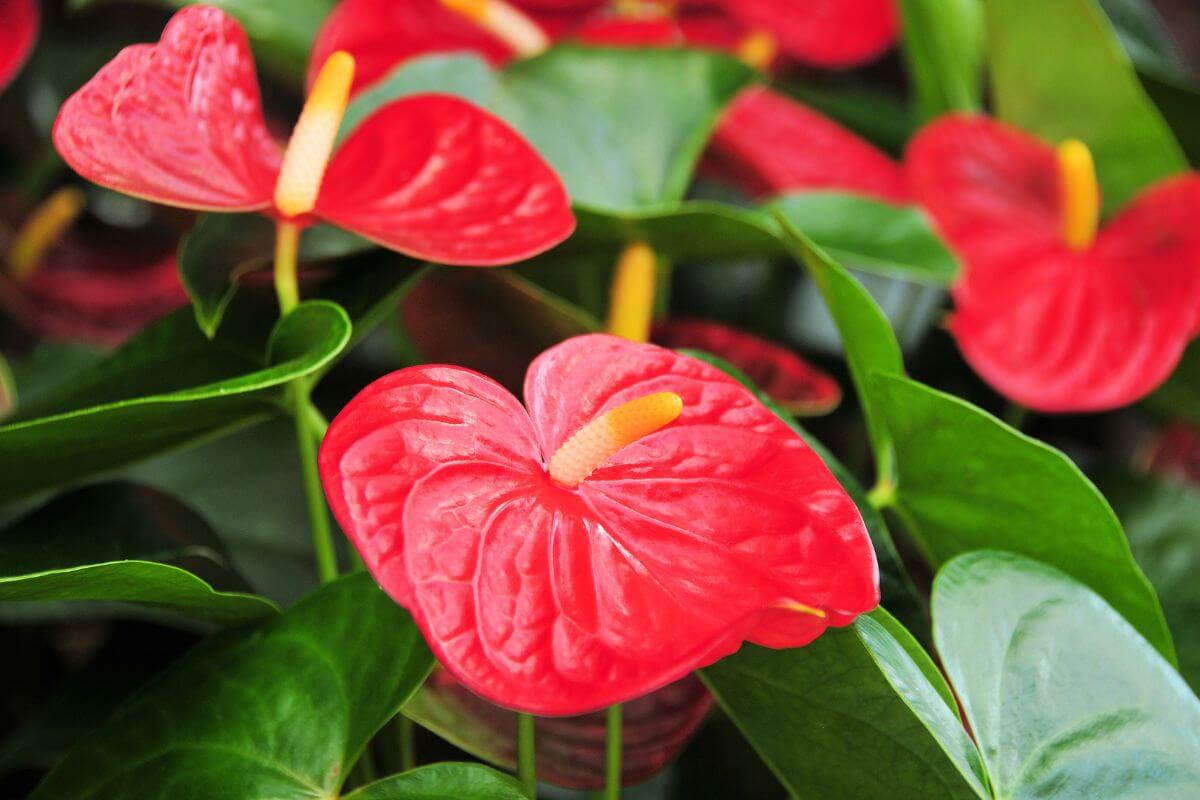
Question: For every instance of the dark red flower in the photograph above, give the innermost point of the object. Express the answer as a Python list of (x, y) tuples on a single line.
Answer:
[(642, 519), (1177, 452), (768, 144), (431, 176), (571, 750), (382, 34), (789, 380), (1055, 315), (18, 30)]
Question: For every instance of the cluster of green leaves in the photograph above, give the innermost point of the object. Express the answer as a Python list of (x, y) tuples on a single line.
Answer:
[(1057, 667)]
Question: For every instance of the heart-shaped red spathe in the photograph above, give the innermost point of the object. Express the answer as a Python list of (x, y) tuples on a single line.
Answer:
[(789, 380), (18, 30), (826, 33), (430, 176), (1051, 328), (179, 122), (382, 34), (560, 601), (768, 144)]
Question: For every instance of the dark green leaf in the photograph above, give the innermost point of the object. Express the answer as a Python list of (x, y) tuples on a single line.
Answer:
[(967, 481), (127, 543), (877, 113), (281, 711), (867, 339), (856, 696), (1179, 102), (281, 33), (623, 127), (168, 386), (1179, 397), (215, 255), (443, 781), (1162, 518), (866, 234), (1059, 72), (943, 47), (1144, 36), (1064, 697)]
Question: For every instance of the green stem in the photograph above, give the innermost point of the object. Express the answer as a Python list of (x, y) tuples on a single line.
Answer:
[(308, 429), (526, 768), (1015, 415), (408, 750), (612, 760)]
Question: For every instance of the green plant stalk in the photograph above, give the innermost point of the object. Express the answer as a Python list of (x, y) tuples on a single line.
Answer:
[(526, 767), (408, 750), (612, 753), (308, 428)]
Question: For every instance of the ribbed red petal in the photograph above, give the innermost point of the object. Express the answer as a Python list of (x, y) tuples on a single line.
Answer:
[(1048, 327), (437, 178), (791, 381), (382, 34), (18, 30), (561, 601), (827, 33), (178, 122), (618, 30), (767, 144)]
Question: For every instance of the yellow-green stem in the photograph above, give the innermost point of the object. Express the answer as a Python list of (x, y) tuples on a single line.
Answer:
[(526, 766), (305, 416), (612, 760)]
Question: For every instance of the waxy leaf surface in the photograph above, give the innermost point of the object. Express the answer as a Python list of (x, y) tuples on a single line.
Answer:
[(864, 695), (1062, 694), (1050, 327), (643, 572), (969, 482), (167, 387), (943, 47), (441, 781), (276, 712), (124, 543)]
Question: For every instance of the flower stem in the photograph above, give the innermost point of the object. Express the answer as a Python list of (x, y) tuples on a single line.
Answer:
[(287, 248), (408, 751), (526, 768), (612, 760), (308, 427)]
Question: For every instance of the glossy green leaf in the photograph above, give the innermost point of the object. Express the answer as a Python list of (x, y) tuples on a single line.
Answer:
[(1144, 36), (442, 781), (866, 694), (869, 235), (1162, 518), (281, 33), (1063, 695), (623, 127), (943, 48), (126, 543), (868, 340), (168, 386), (276, 712), (1058, 71), (967, 481)]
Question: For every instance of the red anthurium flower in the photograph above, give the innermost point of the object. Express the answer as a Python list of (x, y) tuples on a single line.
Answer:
[(571, 750), (18, 29), (1053, 312), (382, 34), (789, 380), (767, 144), (825, 33), (431, 176), (643, 518)]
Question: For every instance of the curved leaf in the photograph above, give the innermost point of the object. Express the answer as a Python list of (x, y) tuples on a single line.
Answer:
[(969, 482), (281, 711), (440, 781), (1064, 697), (943, 47), (166, 387), (122, 542)]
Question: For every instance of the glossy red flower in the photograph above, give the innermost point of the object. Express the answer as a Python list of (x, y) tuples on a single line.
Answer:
[(571, 750), (1051, 312), (381, 34), (768, 144), (431, 176), (827, 33), (789, 380), (642, 519), (18, 30)]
